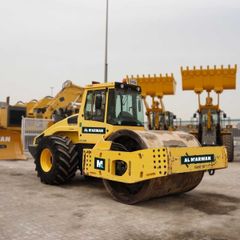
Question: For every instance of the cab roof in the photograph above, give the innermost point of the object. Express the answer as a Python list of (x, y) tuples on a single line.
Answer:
[(115, 85), (101, 85)]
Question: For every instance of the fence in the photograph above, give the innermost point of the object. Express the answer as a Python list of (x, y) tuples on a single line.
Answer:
[(237, 141), (31, 127), (184, 125)]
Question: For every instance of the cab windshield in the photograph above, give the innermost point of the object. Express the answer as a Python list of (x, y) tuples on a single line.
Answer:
[(213, 118), (125, 108)]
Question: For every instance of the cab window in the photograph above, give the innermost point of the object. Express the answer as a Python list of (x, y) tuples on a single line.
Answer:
[(125, 108), (95, 105)]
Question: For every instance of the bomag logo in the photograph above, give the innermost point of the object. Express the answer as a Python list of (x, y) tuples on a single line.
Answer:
[(5, 139)]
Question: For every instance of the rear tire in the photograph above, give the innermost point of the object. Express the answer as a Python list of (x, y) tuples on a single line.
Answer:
[(56, 160), (227, 141)]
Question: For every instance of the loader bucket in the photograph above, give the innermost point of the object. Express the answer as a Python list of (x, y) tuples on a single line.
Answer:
[(11, 145), (209, 79), (154, 85)]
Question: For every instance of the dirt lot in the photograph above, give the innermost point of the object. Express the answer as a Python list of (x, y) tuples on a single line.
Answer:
[(84, 210)]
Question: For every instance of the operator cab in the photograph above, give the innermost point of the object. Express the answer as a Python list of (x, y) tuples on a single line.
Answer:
[(214, 117), (125, 107), (209, 126), (119, 106), (166, 120)]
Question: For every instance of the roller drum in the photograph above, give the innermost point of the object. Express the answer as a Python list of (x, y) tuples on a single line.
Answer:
[(129, 140)]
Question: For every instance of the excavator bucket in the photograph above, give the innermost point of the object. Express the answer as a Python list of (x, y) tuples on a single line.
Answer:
[(10, 145), (209, 79), (154, 85)]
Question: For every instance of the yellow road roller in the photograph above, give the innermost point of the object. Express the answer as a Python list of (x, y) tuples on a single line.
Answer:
[(107, 140)]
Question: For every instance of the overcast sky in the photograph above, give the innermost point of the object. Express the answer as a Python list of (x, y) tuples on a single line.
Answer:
[(43, 43)]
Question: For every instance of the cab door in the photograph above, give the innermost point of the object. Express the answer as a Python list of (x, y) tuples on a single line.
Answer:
[(93, 127)]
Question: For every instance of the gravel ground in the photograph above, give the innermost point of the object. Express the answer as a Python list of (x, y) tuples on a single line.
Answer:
[(84, 210)]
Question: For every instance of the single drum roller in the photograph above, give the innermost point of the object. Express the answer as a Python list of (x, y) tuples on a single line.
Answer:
[(107, 140)]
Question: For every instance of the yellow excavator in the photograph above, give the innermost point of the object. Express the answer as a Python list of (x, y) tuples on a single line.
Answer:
[(65, 103), (10, 131), (36, 109), (28, 105), (210, 130), (107, 140), (156, 87)]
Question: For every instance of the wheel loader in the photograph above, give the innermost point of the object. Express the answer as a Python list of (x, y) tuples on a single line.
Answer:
[(210, 130), (156, 87), (107, 140)]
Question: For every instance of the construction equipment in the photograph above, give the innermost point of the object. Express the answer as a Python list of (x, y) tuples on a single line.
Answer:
[(50, 110), (30, 107), (210, 130), (39, 108), (64, 104), (156, 87), (10, 131), (107, 140)]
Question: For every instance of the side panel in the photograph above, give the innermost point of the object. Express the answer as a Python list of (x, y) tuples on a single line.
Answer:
[(197, 159), (140, 164), (91, 132)]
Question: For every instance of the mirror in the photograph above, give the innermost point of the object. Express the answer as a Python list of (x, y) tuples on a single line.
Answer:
[(194, 115), (174, 117), (224, 115)]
